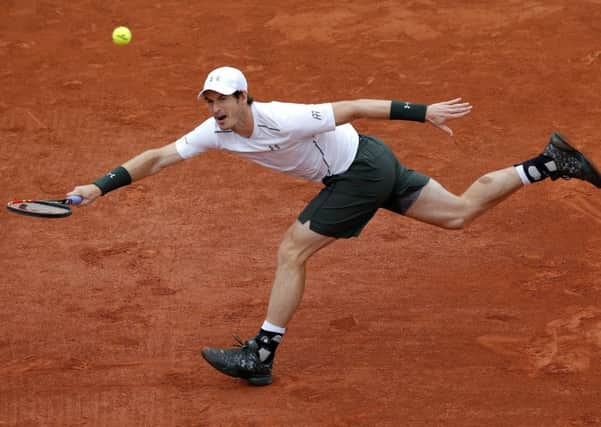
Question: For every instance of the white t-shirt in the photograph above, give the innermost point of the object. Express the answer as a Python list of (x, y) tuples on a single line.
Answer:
[(298, 139)]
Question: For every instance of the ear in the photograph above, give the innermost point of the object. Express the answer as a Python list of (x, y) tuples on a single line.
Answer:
[(243, 97)]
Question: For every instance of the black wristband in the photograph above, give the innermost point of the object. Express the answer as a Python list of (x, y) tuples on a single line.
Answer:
[(118, 177), (400, 110)]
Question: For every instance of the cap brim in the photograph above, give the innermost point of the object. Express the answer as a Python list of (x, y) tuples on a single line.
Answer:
[(224, 90)]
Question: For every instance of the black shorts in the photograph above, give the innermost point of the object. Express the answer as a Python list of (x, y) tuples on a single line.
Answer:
[(374, 180)]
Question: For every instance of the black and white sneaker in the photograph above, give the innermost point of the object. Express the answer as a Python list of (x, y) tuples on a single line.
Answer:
[(243, 361), (570, 163)]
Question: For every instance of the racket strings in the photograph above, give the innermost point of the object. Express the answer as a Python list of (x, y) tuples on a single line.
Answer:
[(39, 208)]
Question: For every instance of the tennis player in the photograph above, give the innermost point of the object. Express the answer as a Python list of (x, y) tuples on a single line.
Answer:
[(359, 173)]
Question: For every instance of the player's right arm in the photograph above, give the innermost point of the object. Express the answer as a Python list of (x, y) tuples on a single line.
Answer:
[(144, 164), (151, 161)]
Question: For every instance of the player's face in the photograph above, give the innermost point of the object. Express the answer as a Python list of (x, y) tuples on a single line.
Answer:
[(226, 109)]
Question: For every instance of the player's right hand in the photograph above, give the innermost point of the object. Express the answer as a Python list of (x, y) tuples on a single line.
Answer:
[(89, 193)]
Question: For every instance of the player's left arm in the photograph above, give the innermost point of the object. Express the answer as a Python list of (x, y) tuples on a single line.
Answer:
[(436, 114)]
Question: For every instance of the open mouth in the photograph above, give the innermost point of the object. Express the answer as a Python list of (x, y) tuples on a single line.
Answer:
[(220, 118)]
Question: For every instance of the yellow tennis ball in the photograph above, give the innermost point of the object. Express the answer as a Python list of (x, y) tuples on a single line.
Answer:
[(121, 35)]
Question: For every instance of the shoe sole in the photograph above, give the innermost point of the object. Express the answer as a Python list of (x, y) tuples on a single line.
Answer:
[(257, 380), (561, 142)]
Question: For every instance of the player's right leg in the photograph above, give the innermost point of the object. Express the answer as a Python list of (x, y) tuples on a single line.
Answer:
[(298, 245), (253, 359), (340, 210)]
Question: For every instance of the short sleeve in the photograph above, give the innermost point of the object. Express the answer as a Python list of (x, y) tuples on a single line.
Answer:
[(306, 120), (197, 141)]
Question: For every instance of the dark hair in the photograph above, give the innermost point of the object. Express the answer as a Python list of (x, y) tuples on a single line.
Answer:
[(249, 99)]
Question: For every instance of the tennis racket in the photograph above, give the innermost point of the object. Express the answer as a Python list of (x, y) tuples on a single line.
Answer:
[(44, 208)]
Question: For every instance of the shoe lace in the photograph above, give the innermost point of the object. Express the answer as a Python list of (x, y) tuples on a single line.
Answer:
[(239, 343)]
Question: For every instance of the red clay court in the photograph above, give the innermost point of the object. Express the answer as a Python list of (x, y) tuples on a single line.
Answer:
[(103, 314)]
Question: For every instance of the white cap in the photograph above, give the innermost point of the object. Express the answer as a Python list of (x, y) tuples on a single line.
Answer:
[(225, 80)]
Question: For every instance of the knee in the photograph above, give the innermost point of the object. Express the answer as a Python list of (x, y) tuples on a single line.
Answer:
[(460, 218), (456, 223), (289, 252)]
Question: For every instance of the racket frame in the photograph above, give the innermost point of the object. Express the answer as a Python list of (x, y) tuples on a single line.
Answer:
[(60, 204)]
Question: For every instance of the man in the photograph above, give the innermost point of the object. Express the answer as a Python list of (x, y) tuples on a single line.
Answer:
[(360, 175)]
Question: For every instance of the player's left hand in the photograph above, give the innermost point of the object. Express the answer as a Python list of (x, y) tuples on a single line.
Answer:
[(438, 114)]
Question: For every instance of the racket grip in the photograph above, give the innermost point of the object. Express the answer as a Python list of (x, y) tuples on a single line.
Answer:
[(74, 200)]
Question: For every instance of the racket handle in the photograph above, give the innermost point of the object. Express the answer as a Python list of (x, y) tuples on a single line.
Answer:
[(74, 200)]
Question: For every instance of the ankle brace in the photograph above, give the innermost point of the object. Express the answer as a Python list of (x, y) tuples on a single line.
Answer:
[(268, 344), (536, 169)]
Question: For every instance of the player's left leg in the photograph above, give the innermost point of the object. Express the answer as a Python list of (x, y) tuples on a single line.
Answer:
[(436, 205)]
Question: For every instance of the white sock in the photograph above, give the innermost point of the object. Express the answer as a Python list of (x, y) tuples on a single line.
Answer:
[(522, 173), (270, 327)]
